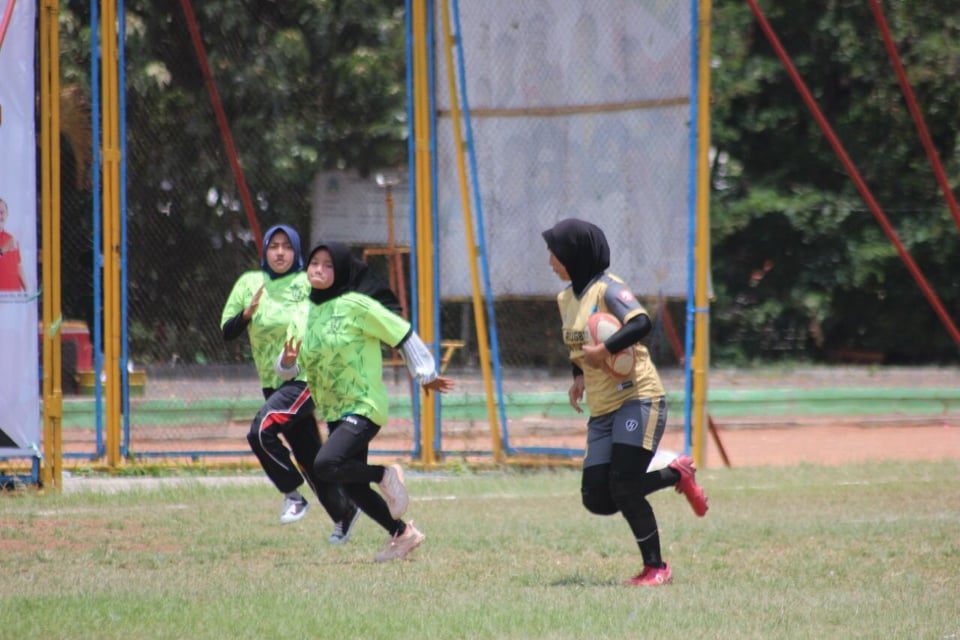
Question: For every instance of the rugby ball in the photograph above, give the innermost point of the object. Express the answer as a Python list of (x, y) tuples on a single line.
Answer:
[(601, 326)]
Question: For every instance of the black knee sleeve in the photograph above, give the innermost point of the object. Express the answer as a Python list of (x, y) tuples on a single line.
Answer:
[(628, 479), (629, 498), (595, 490)]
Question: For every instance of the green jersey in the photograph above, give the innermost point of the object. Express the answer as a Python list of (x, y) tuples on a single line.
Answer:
[(342, 358), (282, 302)]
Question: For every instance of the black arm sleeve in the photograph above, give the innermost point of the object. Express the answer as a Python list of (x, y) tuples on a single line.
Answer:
[(577, 371), (405, 337), (629, 334), (234, 327)]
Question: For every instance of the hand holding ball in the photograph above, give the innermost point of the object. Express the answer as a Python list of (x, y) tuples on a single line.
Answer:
[(601, 326)]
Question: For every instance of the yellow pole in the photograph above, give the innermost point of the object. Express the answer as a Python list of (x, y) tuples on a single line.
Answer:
[(479, 316), (701, 336), (51, 471), (425, 302), (111, 227)]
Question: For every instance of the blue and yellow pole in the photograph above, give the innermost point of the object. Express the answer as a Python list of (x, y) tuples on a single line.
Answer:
[(112, 328), (424, 209), (701, 351), (51, 471)]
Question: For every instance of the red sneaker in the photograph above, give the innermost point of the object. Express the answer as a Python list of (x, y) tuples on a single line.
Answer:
[(651, 577), (688, 484)]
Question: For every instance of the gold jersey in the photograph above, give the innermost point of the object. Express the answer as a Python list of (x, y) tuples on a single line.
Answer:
[(604, 392)]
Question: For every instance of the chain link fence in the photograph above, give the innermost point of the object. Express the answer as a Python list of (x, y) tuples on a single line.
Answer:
[(577, 110)]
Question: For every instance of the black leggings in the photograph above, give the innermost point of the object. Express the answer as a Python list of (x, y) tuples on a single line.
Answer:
[(607, 488), (623, 485), (288, 411), (343, 460)]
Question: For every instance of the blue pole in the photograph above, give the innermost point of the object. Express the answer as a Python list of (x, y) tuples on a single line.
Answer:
[(97, 240), (435, 217), (412, 214), (124, 333), (478, 205), (691, 230)]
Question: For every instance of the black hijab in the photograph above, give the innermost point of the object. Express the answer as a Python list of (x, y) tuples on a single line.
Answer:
[(582, 249), (352, 274)]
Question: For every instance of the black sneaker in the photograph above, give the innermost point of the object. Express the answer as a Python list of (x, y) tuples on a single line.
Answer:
[(343, 529)]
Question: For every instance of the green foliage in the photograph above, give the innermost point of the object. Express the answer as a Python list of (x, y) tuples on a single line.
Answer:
[(306, 85), (801, 265)]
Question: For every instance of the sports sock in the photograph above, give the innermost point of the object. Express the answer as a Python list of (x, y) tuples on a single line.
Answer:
[(294, 495), (670, 476), (650, 550)]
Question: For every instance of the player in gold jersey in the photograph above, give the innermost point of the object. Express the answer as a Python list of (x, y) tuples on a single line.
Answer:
[(627, 415)]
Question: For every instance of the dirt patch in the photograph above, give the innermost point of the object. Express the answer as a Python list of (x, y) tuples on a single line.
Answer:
[(774, 440), (792, 441), (830, 444), (822, 442), (81, 535)]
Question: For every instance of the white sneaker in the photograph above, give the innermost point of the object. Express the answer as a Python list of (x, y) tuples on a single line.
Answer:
[(399, 546), (343, 529), (293, 510), (394, 492)]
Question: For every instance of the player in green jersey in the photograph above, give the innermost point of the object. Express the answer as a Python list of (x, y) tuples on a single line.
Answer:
[(264, 303), (627, 415), (338, 347)]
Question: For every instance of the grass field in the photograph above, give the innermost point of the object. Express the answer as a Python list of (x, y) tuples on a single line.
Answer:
[(858, 551)]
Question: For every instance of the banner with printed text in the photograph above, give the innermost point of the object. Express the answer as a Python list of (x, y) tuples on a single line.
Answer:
[(19, 359)]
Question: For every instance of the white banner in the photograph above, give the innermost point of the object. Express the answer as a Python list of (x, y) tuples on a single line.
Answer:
[(580, 109), (19, 359)]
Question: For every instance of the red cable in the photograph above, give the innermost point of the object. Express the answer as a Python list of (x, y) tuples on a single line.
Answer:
[(854, 174), (6, 20), (222, 122), (915, 111)]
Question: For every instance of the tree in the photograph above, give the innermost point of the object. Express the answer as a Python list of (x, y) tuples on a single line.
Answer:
[(306, 85), (801, 266)]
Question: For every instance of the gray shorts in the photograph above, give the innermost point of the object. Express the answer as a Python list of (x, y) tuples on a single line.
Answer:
[(639, 423)]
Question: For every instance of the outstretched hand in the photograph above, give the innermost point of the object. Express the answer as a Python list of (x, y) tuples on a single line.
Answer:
[(440, 384), (254, 303), (291, 349)]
